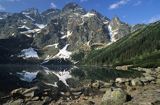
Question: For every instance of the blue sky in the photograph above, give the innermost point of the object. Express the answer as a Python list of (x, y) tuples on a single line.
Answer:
[(130, 11)]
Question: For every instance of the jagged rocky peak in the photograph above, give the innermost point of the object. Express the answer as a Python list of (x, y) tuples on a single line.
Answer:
[(4, 15), (95, 12), (50, 14), (73, 7), (115, 21), (32, 11), (51, 11), (58, 33), (99, 15), (117, 29)]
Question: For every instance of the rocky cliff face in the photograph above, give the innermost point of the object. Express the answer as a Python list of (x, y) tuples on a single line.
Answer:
[(118, 29), (58, 33)]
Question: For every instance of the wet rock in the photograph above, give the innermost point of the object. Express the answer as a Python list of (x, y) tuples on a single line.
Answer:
[(115, 97)]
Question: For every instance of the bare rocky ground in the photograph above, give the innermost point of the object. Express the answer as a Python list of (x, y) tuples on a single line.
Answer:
[(143, 90)]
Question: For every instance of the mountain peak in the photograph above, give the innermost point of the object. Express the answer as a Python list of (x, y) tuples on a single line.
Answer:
[(72, 6), (116, 18), (30, 11), (51, 10)]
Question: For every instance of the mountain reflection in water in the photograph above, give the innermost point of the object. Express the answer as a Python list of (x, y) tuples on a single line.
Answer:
[(16, 76)]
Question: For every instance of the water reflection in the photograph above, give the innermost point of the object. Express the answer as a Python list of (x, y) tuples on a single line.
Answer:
[(16, 76)]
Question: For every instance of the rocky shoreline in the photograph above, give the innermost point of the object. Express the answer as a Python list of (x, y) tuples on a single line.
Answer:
[(144, 90)]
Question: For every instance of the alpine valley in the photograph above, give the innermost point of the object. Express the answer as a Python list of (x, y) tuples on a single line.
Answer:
[(54, 36), (72, 56)]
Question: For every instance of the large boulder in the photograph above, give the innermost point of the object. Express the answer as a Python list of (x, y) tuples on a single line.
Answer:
[(121, 80), (158, 81), (115, 97), (136, 82)]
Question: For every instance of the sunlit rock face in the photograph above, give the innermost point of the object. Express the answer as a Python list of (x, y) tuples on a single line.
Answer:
[(57, 33)]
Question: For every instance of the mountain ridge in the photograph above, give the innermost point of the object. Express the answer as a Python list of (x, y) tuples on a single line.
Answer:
[(72, 28)]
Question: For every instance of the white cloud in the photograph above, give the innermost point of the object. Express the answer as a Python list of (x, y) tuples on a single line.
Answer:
[(118, 4), (2, 8), (154, 19), (137, 3), (53, 5)]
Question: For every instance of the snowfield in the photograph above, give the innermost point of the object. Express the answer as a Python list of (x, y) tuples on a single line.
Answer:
[(52, 45), (69, 33), (88, 15), (41, 26), (24, 26), (63, 53), (29, 53)]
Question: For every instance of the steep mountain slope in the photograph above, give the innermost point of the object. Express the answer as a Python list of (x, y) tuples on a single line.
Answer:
[(141, 48), (57, 34), (118, 29)]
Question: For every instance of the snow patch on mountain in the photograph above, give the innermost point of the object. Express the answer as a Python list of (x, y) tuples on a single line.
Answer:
[(88, 15), (27, 76), (28, 53), (54, 85), (50, 13), (41, 26), (69, 33), (13, 34), (63, 53), (27, 15), (105, 22), (112, 33), (52, 45), (31, 31), (24, 26)]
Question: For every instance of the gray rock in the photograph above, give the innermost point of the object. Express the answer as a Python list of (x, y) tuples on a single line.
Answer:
[(136, 82), (121, 80), (150, 78), (158, 81), (16, 102), (115, 97)]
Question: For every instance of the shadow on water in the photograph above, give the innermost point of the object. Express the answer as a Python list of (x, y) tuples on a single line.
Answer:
[(16, 76), (103, 73)]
